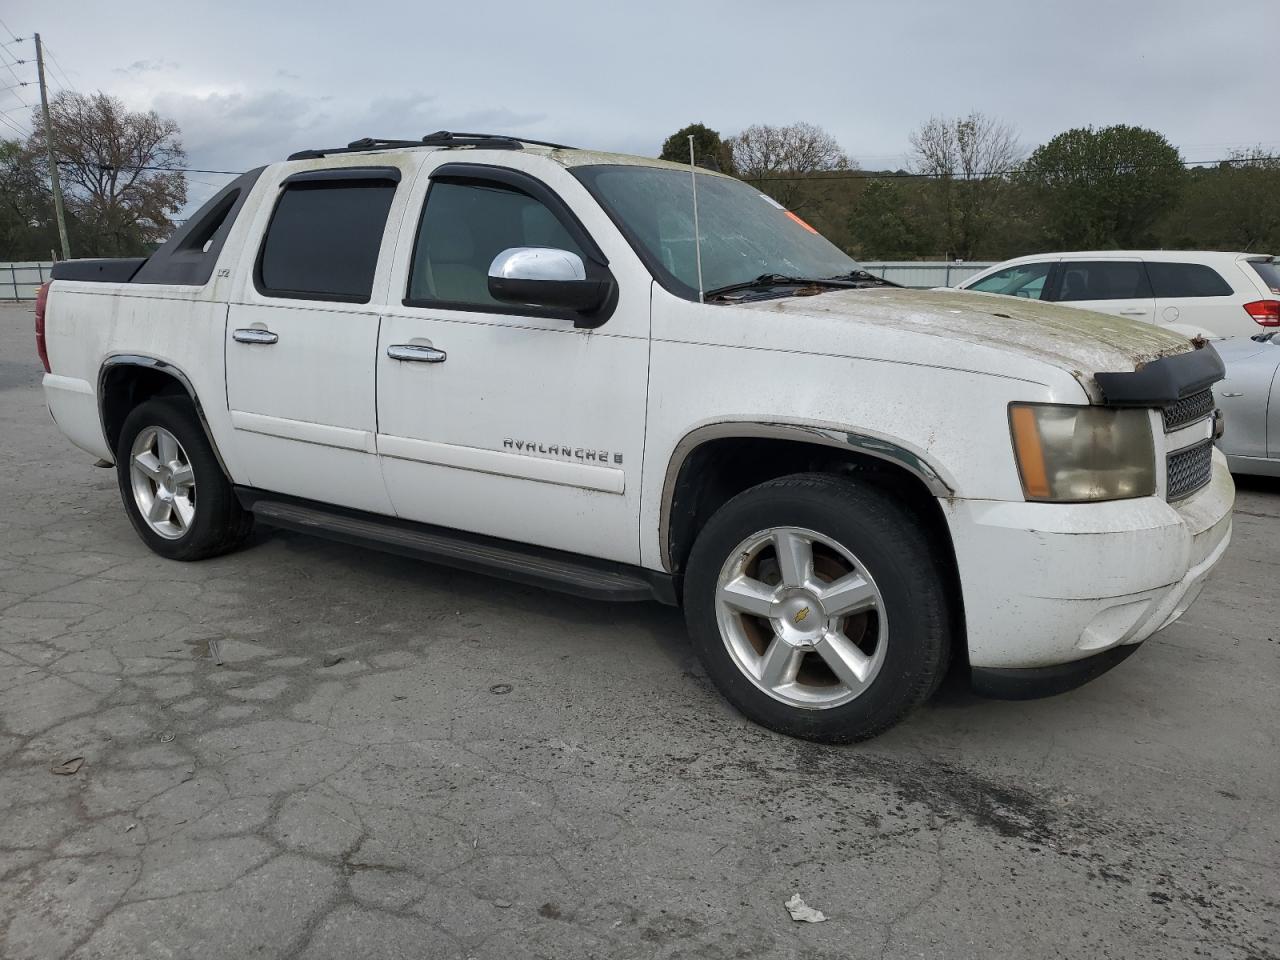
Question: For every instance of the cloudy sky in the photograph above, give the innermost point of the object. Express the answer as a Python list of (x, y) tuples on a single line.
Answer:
[(251, 82)]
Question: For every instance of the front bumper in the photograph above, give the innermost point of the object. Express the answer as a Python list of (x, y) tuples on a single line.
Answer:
[(1049, 584)]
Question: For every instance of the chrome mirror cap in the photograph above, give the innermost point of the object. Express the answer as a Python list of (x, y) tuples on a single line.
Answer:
[(537, 263)]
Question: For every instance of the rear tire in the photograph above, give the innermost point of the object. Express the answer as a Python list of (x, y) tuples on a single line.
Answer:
[(818, 607), (178, 499)]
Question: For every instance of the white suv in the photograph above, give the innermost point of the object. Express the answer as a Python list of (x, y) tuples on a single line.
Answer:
[(514, 357), (1187, 291)]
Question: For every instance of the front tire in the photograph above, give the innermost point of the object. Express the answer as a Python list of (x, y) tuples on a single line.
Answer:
[(818, 607), (174, 491)]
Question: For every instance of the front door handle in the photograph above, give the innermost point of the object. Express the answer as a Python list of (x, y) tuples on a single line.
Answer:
[(254, 335), (416, 352), (1134, 312)]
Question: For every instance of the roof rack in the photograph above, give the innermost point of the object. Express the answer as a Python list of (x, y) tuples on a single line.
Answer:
[(441, 138)]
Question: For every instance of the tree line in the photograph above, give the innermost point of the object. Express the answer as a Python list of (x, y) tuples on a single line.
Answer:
[(970, 190)]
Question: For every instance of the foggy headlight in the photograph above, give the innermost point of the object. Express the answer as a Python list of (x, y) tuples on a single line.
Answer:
[(1071, 454)]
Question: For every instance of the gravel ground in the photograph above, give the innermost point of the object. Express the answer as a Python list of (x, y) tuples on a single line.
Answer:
[(494, 771)]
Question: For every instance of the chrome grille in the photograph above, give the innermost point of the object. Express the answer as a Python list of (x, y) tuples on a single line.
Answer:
[(1189, 469), (1187, 410)]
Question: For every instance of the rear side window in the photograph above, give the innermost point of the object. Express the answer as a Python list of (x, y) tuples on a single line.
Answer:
[(1103, 280), (323, 240), (1025, 280), (1269, 271), (1170, 280)]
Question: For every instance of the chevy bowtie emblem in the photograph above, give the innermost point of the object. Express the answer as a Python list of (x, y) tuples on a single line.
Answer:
[(800, 617)]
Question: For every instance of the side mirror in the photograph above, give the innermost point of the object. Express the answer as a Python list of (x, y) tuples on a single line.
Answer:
[(545, 277)]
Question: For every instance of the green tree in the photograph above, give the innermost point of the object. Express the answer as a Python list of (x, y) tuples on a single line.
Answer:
[(888, 224), (1234, 205), (708, 148), (1104, 188), (27, 231)]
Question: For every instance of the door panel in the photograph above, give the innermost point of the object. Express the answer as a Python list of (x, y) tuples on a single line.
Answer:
[(303, 408), (507, 420)]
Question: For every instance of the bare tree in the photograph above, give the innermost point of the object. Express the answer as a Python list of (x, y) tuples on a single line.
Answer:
[(971, 159), (121, 170), (779, 159)]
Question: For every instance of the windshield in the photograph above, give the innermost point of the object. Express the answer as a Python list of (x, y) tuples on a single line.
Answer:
[(744, 233)]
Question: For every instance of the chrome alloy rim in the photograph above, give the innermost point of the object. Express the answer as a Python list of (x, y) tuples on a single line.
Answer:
[(164, 485), (801, 617)]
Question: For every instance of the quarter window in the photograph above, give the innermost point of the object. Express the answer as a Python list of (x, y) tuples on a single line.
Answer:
[(465, 224), (323, 240), (1170, 280), (1025, 280), (1103, 280)]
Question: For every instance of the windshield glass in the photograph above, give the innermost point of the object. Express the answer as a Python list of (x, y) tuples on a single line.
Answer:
[(744, 233)]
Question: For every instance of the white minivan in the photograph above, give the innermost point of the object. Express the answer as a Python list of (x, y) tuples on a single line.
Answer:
[(1187, 291)]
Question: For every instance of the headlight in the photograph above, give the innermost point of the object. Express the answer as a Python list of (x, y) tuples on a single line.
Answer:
[(1070, 454)]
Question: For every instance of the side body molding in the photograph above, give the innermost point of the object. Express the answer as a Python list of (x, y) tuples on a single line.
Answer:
[(116, 360), (847, 440)]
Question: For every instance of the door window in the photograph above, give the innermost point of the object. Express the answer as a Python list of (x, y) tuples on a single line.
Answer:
[(323, 240), (1103, 280), (1170, 280), (1025, 280), (465, 224)]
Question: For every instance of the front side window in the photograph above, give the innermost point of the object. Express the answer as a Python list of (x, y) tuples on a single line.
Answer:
[(1025, 280), (1103, 280), (745, 234), (465, 224), (1170, 280), (323, 240)]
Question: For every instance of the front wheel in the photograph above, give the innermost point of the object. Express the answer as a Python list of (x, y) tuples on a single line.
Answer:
[(818, 607), (173, 488)]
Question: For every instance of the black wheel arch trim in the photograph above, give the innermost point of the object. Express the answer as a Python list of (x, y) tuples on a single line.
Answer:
[(840, 438), (174, 372)]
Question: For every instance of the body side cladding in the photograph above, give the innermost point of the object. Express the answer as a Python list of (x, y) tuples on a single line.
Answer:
[(118, 360), (845, 440)]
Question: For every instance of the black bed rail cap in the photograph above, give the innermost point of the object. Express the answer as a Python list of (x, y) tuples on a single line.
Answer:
[(1163, 381)]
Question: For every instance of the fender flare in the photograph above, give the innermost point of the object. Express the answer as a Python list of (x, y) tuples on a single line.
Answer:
[(117, 360), (844, 439)]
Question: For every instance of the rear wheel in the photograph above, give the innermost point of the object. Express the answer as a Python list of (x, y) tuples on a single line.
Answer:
[(173, 488), (818, 607)]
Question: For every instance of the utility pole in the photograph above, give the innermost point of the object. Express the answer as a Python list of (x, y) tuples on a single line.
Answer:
[(54, 182)]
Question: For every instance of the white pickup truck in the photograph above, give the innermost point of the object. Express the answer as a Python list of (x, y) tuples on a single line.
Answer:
[(514, 357)]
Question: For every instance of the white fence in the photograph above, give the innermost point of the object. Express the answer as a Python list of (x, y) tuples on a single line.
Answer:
[(926, 273), (20, 281)]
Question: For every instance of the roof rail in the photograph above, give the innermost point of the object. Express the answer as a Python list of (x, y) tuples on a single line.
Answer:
[(441, 138)]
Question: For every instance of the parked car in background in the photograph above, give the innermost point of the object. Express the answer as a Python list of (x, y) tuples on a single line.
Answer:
[(1187, 291), (1250, 400)]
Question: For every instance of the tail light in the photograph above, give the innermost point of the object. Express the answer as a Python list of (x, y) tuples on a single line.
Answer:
[(1264, 312), (42, 298)]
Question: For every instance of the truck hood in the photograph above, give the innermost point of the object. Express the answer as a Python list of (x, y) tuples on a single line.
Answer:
[(1079, 341)]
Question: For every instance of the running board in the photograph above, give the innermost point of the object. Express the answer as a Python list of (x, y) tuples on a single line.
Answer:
[(553, 569)]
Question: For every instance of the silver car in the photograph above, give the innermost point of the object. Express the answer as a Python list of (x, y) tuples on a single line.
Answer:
[(1250, 399)]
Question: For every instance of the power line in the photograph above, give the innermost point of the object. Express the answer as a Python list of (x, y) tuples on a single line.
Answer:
[(8, 31), (57, 65), (4, 118)]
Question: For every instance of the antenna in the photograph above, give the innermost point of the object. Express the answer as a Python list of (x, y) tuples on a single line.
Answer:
[(697, 235)]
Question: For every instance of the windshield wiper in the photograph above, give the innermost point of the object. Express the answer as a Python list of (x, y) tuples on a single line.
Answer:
[(773, 280), (863, 278)]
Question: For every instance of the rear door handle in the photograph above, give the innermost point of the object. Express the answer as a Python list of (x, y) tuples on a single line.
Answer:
[(416, 352), (254, 335), (1134, 313)]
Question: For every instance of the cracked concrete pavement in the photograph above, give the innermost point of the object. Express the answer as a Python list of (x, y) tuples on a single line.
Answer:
[(495, 771)]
